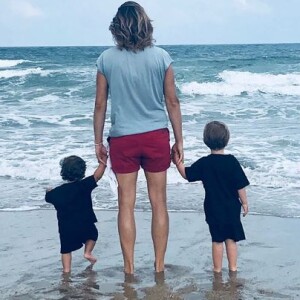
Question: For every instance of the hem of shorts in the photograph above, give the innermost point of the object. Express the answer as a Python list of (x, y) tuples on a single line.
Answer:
[(235, 240), (157, 170), (74, 249), (146, 170), (125, 172)]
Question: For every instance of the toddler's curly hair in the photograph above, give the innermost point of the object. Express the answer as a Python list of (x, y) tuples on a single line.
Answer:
[(72, 168)]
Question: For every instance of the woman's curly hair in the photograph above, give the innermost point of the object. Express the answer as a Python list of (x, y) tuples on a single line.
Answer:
[(131, 27), (72, 168)]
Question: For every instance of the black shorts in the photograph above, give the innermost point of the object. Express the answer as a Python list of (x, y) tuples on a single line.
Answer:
[(75, 239), (221, 232)]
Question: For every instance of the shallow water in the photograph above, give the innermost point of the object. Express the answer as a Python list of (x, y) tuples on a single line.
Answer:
[(46, 106), (31, 267)]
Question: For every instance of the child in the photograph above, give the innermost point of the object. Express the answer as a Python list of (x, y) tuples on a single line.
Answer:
[(75, 215), (224, 182)]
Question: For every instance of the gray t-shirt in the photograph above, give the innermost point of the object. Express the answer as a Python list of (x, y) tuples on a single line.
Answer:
[(136, 85)]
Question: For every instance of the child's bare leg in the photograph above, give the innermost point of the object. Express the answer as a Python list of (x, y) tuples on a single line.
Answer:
[(217, 255), (231, 251), (66, 259), (89, 246)]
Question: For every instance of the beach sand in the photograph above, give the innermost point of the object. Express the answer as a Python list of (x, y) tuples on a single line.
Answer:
[(30, 266)]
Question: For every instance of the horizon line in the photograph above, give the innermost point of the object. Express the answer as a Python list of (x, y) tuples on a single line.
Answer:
[(192, 44)]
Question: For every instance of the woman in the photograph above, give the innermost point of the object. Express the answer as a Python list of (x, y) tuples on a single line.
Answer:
[(140, 80)]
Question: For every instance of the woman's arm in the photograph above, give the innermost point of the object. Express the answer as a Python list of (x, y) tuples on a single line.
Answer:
[(174, 112), (99, 115)]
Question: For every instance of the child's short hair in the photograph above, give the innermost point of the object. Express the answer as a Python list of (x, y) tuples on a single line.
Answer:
[(216, 135), (72, 168)]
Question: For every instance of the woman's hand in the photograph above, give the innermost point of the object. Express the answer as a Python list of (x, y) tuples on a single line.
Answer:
[(177, 153), (101, 153)]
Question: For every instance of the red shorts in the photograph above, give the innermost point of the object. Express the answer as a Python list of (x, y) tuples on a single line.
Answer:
[(150, 150)]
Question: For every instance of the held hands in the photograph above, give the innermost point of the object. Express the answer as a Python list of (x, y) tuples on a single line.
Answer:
[(104, 159), (177, 153), (101, 153)]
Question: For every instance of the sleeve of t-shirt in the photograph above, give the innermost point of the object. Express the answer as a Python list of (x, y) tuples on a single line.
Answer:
[(194, 172), (89, 183), (100, 64), (48, 197), (53, 197), (167, 59), (239, 177)]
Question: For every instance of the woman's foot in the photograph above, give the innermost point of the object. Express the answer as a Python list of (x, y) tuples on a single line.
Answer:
[(158, 268), (217, 271)]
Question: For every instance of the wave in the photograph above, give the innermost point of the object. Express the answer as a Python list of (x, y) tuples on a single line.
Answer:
[(236, 83), (21, 208), (22, 73), (8, 63)]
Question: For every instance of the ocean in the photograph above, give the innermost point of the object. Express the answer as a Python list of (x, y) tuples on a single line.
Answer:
[(46, 113)]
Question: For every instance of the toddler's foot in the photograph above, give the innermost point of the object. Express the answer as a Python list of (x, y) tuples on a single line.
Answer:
[(92, 259)]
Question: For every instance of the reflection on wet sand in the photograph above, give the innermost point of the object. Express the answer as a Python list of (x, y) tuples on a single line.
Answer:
[(84, 285), (150, 285), (230, 289), (161, 290)]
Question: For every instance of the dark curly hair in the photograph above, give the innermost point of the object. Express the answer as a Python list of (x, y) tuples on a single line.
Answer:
[(72, 168), (216, 135), (131, 27)]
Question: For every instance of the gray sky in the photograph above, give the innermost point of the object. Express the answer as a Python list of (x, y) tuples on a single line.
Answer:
[(85, 22)]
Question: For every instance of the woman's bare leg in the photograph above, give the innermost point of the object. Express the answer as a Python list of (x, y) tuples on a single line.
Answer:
[(231, 251), (126, 221), (217, 256), (66, 259), (160, 219)]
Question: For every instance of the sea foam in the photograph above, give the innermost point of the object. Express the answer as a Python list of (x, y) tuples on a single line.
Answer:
[(8, 63), (10, 73), (235, 83)]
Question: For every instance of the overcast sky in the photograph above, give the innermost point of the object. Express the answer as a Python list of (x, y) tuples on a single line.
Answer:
[(85, 22)]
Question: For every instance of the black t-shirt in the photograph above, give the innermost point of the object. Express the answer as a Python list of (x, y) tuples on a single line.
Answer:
[(222, 177), (73, 203)]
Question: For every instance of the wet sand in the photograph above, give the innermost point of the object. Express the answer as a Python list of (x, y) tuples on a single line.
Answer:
[(30, 265)]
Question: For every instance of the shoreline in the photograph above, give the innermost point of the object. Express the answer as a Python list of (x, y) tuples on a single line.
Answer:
[(31, 267)]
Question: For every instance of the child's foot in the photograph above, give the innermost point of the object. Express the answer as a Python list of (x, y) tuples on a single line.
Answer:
[(92, 259)]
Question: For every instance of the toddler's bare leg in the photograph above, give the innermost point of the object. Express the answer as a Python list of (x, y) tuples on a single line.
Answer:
[(231, 251), (217, 256), (89, 246), (66, 259)]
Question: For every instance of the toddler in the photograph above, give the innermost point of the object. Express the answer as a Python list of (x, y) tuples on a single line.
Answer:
[(224, 183), (73, 203)]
